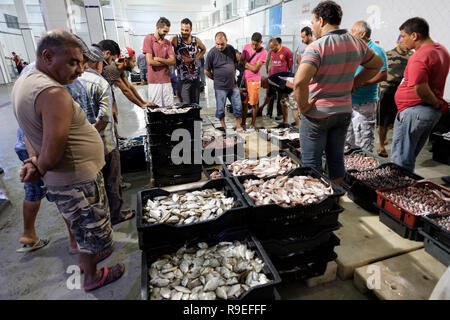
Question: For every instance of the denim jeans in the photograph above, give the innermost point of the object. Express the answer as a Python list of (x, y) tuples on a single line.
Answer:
[(317, 135), (190, 91), (234, 96), (412, 128)]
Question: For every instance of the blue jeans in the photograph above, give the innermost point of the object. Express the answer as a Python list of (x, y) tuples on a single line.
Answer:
[(412, 128), (317, 135), (234, 96)]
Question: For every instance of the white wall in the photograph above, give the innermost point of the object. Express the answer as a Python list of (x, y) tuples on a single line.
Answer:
[(384, 16)]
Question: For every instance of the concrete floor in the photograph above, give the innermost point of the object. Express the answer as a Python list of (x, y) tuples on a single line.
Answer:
[(42, 274)]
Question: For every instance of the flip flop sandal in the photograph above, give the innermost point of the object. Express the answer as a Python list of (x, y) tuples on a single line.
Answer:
[(123, 214), (109, 275), (102, 255), (32, 247), (383, 154)]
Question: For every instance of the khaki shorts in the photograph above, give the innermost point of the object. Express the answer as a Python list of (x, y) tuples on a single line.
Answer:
[(253, 88)]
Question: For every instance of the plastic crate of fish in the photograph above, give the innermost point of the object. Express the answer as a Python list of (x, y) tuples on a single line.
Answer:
[(321, 252), (156, 115), (366, 154), (363, 190), (160, 232), (211, 174), (162, 133), (437, 226), (307, 227), (132, 157), (349, 148), (278, 216), (436, 248), (273, 135), (217, 153), (441, 148), (173, 170), (409, 216), (273, 154), (283, 247), (294, 148), (176, 179), (259, 292), (175, 153), (398, 226)]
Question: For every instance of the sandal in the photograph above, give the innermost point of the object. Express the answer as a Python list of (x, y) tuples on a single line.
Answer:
[(383, 154), (124, 215), (32, 247), (109, 275), (102, 255)]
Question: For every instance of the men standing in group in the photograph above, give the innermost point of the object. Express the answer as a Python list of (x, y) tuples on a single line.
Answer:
[(365, 98), (188, 51), (220, 66), (419, 98), (160, 57), (253, 57), (306, 37), (324, 99), (69, 151), (387, 109)]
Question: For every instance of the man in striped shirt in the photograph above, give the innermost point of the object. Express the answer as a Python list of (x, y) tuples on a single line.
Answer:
[(323, 85)]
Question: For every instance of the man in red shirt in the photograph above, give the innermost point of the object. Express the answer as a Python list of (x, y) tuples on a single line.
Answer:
[(160, 56), (18, 62), (419, 98)]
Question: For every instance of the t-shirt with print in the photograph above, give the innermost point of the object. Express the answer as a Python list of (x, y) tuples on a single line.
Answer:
[(336, 56), (222, 64), (369, 94), (163, 50), (247, 53), (282, 60), (430, 65)]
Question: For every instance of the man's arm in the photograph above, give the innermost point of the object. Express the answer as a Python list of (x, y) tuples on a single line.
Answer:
[(209, 74), (202, 51), (254, 68), (299, 59), (174, 42), (305, 73), (152, 62), (370, 70), (55, 107), (425, 93), (168, 62), (132, 88), (129, 93), (381, 76), (29, 147), (268, 62), (290, 60)]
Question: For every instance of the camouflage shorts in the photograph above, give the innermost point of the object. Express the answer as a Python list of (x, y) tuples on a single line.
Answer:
[(289, 101), (85, 207)]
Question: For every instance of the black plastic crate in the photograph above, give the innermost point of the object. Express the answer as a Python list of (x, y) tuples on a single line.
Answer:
[(158, 234), (398, 226), (171, 170), (309, 270), (436, 231), (191, 125), (436, 248), (261, 292), (271, 154), (281, 143), (162, 118), (277, 216), (293, 148), (307, 227), (363, 194), (176, 179), (133, 159), (351, 148), (225, 155), (162, 154), (208, 173), (441, 149), (298, 242)]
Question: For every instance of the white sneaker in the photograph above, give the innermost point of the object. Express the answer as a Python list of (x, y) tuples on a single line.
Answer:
[(250, 129)]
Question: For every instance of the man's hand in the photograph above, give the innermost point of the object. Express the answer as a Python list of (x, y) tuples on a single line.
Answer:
[(304, 109), (148, 104), (28, 173)]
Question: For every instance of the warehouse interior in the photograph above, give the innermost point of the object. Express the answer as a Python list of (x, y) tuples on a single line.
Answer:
[(367, 255)]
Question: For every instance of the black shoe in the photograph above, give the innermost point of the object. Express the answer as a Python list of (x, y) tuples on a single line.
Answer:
[(1, 170), (283, 125), (279, 118), (293, 124)]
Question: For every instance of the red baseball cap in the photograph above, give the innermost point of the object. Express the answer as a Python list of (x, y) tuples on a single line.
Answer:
[(126, 53)]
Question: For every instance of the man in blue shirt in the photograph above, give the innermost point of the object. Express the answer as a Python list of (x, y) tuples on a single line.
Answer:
[(142, 64), (361, 131)]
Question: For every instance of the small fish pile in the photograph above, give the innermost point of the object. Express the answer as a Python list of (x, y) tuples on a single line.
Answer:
[(215, 175), (264, 167), (127, 144), (220, 143), (282, 133), (186, 208), (169, 110), (224, 271), (443, 222), (359, 162), (385, 177), (420, 200), (287, 191)]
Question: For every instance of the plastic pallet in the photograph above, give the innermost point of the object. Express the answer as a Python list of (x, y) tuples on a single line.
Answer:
[(436, 249), (399, 227), (261, 292)]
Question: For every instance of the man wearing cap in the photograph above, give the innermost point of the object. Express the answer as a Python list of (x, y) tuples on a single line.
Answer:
[(100, 98), (114, 74), (160, 57)]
